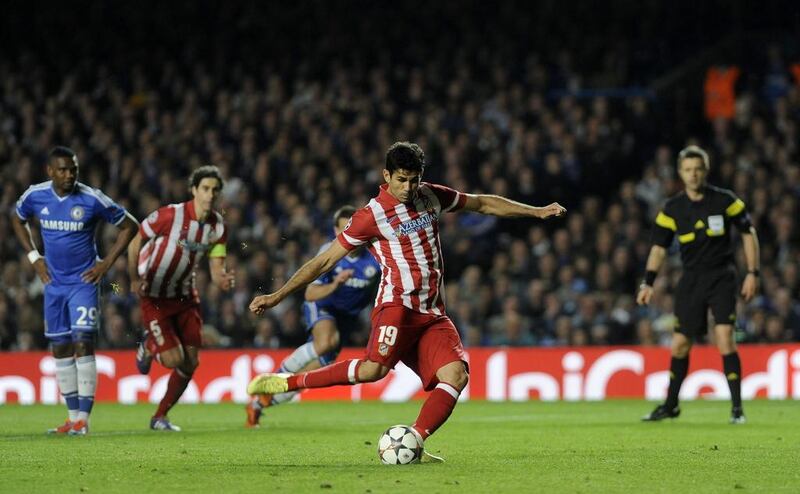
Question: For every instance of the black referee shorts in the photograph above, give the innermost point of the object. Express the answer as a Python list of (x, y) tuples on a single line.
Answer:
[(699, 291)]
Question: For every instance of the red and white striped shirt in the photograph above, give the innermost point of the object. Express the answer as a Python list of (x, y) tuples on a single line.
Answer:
[(404, 238), (176, 241)]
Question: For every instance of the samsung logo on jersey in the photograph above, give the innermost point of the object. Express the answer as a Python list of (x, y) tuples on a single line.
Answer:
[(356, 283), (64, 226), (414, 225)]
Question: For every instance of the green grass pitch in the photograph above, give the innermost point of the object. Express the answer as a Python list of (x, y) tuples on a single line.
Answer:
[(331, 447)]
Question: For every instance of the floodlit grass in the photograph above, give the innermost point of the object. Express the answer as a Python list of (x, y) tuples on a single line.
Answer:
[(331, 447)]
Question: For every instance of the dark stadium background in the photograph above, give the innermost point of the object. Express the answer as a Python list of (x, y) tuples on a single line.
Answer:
[(296, 101)]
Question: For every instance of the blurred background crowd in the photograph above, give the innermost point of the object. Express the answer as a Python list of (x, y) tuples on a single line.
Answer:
[(297, 105)]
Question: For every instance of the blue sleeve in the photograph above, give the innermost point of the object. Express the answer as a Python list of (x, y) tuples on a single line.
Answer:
[(24, 208), (324, 279), (107, 209)]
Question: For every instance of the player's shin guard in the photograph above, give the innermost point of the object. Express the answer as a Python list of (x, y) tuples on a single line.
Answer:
[(67, 377), (436, 409), (678, 369), (175, 388), (732, 366), (87, 383), (299, 358), (344, 372)]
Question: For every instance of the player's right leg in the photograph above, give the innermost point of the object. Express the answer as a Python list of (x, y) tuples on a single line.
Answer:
[(59, 334), (691, 313), (393, 333), (340, 373), (679, 367)]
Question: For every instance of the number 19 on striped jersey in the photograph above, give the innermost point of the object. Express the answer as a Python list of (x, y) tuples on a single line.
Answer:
[(387, 335)]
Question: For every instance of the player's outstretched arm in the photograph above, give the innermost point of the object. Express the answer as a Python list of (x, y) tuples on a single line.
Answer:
[(310, 271), (501, 206), (654, 261), (127, 230), (751, 255), (24, 236)]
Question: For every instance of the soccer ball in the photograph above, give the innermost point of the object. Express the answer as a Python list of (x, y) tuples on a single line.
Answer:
[(400, 445)]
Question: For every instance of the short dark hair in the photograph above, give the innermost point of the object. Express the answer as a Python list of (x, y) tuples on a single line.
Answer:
[(207, 171), (343, 212), (61, 152), (694, 152), (405, 155)]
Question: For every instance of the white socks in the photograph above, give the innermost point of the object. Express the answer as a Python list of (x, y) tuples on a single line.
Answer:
[(67, 377), (293, 363), (87, 383), (299, 358)]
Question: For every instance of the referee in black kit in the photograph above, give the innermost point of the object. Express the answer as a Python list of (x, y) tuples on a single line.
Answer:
[(701, 216)]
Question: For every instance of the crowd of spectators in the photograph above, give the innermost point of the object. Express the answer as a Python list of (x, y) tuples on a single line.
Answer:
[(295, 145)]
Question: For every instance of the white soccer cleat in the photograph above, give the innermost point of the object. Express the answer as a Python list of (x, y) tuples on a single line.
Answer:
[(268, 383), (163, 424)]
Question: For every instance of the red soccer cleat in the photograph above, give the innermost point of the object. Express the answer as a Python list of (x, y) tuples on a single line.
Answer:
[(79, 428), (254, 408), (62, 429)]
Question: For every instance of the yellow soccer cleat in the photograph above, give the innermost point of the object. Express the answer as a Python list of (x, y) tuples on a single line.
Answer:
[(268, 384), (429, 458)]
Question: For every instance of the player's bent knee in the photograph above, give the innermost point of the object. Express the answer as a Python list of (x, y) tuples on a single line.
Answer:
[(83, 348), (371, 371), (63, 350), (458, 377), (172, 358)]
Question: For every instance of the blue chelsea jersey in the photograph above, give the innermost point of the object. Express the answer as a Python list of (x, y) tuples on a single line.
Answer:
[(68, 226), (356, 293)]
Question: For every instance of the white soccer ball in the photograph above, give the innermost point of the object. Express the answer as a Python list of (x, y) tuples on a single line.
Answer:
[(400, 445)]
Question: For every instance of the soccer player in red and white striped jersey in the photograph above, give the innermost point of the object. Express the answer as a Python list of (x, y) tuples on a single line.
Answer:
[(400, 227), (176, 237)]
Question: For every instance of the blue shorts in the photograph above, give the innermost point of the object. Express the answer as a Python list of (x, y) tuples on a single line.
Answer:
[(313, 313), (70, 312)]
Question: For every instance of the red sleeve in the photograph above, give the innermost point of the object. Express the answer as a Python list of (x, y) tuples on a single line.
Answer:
[(451, 200), (360, 230), (157, 223)]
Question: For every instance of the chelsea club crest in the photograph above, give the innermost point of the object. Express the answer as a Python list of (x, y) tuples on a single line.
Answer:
[(76, 213)]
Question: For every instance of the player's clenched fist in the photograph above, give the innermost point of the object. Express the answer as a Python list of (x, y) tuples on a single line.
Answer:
[(263, 302), (644, 295), (554, 209)]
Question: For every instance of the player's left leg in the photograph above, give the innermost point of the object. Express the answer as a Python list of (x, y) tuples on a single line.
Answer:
[(84, 316), (187, 329), (732, 367), (722, 300), (442, 367)]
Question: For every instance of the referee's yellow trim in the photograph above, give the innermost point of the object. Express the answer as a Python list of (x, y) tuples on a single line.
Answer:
[(686, 238), (712, 233), (218, 250), (735, 208), (665, 221)]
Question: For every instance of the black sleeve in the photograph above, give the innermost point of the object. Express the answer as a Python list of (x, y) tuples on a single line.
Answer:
[(664, 229), (737, 214)]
